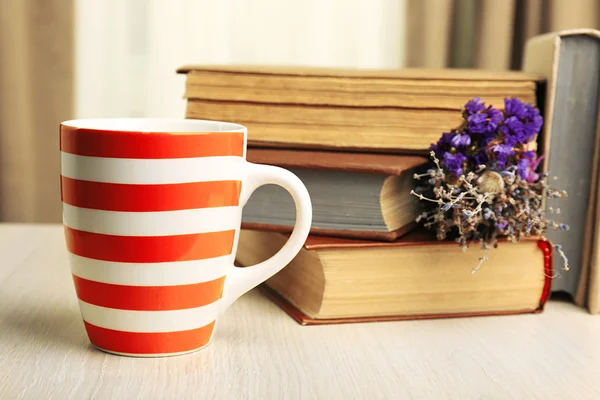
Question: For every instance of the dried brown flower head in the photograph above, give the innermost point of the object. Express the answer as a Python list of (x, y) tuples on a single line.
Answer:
[(490, 182)]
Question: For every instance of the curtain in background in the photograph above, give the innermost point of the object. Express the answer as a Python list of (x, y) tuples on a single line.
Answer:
[(36, 93), (487, 34), (128, 50)]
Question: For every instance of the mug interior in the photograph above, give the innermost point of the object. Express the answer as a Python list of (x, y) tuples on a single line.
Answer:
[(154, 125)]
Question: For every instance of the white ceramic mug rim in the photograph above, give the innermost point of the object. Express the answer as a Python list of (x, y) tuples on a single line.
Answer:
[(154, 125)]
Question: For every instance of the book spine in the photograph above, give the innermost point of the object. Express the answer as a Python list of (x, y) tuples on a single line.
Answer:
[(546, 247)]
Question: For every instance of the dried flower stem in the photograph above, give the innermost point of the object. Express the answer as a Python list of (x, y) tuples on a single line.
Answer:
[(482, 260), (566, 266), (421, 197)]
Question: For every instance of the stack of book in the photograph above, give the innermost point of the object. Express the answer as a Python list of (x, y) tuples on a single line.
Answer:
[(356, 138)]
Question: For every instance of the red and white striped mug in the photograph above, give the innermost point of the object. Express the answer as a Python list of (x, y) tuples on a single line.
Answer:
[(152, 213)]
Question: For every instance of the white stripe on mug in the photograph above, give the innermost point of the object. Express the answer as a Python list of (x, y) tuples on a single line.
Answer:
[(151, 274), (152, 171), (161, 223), (149, 321)]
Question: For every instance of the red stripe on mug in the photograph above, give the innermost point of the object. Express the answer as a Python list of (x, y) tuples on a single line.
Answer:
[(149, 343), (160, 197), (149, 249), (148, 298), (123, 144)]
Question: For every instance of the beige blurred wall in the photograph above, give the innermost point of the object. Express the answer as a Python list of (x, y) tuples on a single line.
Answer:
[(36, 93), (117, 58)]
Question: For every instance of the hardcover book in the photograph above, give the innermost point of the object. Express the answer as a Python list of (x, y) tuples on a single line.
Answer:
[(416, 277), (570, 61), (353, 195)]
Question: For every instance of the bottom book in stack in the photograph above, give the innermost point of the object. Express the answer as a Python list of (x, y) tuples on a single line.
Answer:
[(336, 280)]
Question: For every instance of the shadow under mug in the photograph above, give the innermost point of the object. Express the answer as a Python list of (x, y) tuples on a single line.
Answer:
[(152, 213)]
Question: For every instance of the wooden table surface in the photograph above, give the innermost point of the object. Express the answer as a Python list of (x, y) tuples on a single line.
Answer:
[(260, 353)]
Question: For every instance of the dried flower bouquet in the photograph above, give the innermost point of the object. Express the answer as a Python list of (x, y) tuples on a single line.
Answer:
[(483, 183)]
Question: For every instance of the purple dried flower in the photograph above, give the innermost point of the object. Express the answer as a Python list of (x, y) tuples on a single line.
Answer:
[(486, 140), (514, 125), (446, 138), (513, 130), (532, 128), (523, 122), (509, 139), (485, 122), (524, 164), (454, 162), (502, 224), (530, 112), (501, 159), (514, 107), (474, 106), (495, 115), (533, 122), (500, 153), (502, 148), (481, 158), (477, 123), (443, 144), (461, 140), (527, 165)]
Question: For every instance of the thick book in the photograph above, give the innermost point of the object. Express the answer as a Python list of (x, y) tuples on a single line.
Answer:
[(570, 62), (416, 277), (356, 195), (351, 109)]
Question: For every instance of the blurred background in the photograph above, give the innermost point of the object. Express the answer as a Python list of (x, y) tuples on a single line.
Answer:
[(64, 59)]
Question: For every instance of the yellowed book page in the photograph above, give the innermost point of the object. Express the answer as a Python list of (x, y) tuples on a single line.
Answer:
[(291, 114), (435, 279), (354, 93), (385, 139)]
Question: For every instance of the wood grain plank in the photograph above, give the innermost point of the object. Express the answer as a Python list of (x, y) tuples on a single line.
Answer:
[(23, 238), (259, 352)]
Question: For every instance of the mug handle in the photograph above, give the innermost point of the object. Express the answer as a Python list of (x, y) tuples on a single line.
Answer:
[(241, 280)]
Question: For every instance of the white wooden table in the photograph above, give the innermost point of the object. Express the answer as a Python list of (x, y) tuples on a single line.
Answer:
[(261, 353)]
